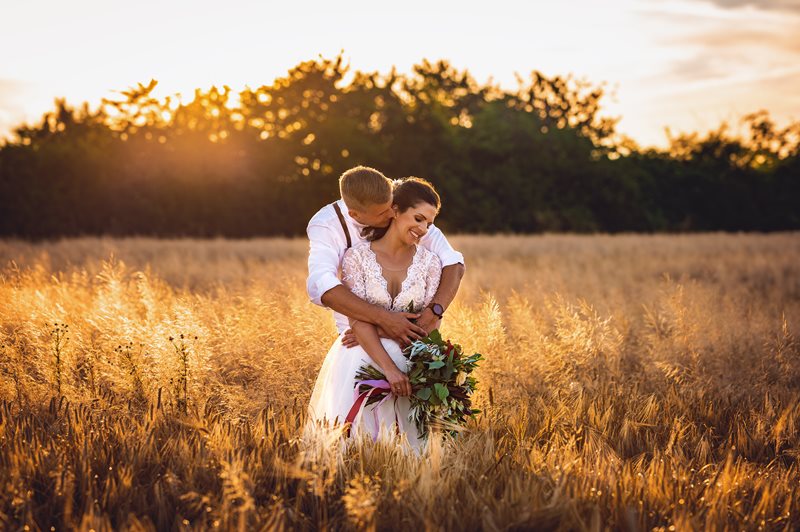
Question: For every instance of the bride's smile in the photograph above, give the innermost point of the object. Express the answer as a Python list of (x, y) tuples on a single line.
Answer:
[(410, 226)]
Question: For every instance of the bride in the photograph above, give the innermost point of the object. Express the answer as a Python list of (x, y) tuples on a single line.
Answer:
[(393, 271)]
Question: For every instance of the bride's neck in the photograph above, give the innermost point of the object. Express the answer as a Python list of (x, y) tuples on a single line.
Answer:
[(392, 243)]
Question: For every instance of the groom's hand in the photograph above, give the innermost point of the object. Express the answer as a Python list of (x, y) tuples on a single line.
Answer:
[(398, 326), (428, 320)]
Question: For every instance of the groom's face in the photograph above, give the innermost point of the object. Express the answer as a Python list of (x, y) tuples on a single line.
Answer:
[(376, 214)]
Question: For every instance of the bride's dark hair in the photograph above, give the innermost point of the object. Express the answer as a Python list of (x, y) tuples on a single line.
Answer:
[(409, 192)]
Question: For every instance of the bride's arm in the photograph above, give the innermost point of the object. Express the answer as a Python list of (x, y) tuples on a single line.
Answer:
[(381, 332), (367, 336), (349, 338)]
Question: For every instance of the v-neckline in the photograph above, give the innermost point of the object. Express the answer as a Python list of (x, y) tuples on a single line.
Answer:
[(386, 281)]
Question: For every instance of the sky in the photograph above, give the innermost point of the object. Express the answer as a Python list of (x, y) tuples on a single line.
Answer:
[(683, 64)]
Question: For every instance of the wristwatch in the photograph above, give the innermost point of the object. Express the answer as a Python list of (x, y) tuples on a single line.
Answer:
[(437, 309)]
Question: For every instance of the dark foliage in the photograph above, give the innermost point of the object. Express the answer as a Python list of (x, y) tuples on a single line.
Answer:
[(540, 158)]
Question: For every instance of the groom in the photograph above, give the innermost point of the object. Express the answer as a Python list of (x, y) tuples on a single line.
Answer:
[(366, 203)]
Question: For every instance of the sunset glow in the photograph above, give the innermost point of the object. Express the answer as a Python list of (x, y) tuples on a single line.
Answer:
[(686, 65)]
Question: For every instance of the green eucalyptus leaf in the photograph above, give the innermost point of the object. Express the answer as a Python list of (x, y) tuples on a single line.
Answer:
[(424, 394), (436, 337), (441, 391)]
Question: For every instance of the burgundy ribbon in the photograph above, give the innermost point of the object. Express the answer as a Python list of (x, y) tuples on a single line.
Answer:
[(376, 386)]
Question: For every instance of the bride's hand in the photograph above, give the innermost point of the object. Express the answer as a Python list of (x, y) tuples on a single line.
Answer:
[(349, 338), (399, 382)]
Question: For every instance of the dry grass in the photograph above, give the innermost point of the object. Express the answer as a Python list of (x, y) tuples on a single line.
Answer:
[(630, 382)]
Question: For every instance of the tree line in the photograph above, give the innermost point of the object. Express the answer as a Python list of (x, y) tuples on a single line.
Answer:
[(261, 161)]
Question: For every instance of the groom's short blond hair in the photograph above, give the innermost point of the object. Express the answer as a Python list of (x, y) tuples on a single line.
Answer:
[(363, 186)]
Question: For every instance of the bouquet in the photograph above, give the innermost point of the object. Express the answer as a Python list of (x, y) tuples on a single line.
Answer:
[(441, 384)]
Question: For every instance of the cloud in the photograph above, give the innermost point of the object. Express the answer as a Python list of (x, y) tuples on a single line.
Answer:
[(767, 5), (783, 39), (708, 49), (700, 67), (732, 10)]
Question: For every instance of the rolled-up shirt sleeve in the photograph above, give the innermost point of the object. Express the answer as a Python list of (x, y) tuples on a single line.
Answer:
[(436, 242), (323, 262)]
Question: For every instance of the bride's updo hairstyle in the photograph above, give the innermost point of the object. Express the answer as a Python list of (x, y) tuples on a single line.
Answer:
[(409, 192)]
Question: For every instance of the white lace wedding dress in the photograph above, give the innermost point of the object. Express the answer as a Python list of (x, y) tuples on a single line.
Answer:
[(333, 393)]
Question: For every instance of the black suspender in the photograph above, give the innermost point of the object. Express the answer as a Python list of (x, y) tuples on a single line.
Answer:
[(344, 225)]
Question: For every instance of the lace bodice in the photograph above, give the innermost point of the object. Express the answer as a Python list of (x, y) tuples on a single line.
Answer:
[(363, 275)]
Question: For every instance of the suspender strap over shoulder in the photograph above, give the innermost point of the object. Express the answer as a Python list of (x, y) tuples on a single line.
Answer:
[(344, 225)]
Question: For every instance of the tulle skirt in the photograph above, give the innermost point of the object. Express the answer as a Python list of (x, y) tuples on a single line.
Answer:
[(334, 394)]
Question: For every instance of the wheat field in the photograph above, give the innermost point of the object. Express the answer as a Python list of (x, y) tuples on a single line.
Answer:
[(630, 382)]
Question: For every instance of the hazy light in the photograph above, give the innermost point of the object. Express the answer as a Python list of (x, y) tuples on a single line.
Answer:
[(684, 64)]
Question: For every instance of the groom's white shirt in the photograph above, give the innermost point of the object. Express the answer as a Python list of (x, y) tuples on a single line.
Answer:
[(327, 245)]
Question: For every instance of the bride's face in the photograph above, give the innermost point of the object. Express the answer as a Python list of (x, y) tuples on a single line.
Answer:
[(413, 224)]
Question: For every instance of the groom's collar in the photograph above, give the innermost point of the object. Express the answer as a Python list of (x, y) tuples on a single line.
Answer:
[(346, 214)]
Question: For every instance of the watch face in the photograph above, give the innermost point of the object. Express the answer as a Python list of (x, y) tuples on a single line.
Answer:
[(438, 309)]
